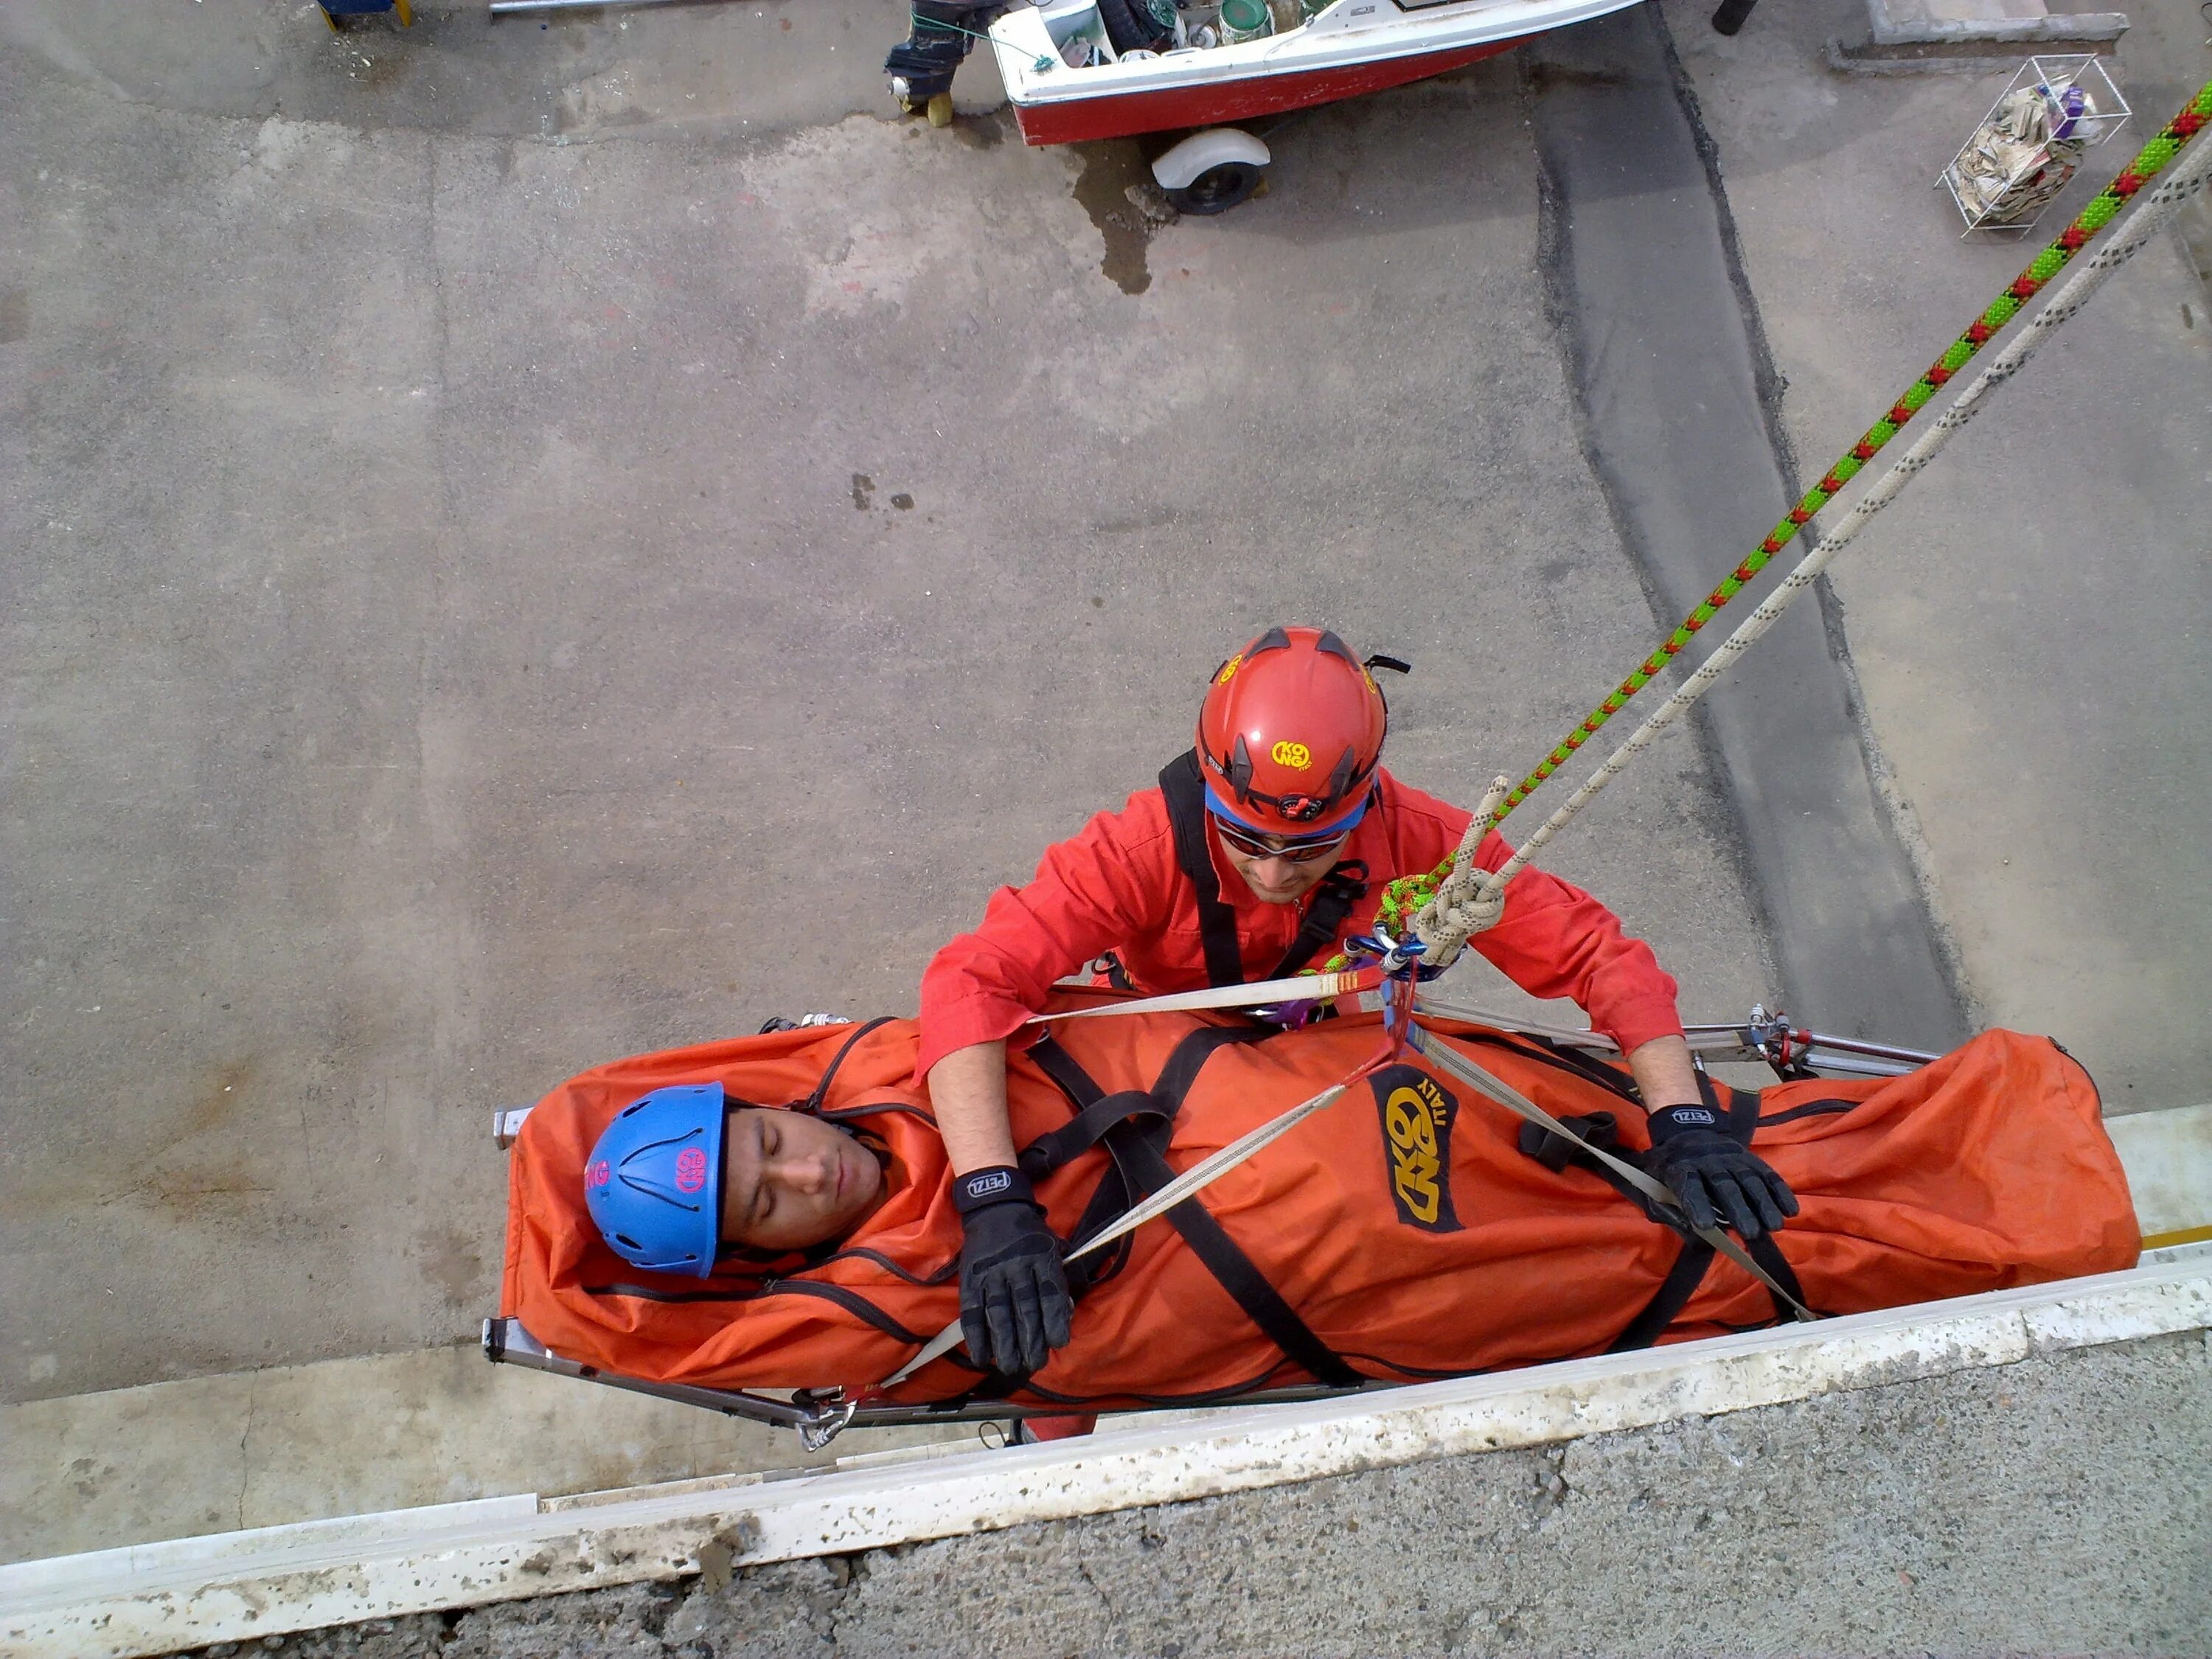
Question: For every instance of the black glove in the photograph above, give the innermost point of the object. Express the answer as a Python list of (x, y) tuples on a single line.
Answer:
[(1014, 1304), (1710, 1172)]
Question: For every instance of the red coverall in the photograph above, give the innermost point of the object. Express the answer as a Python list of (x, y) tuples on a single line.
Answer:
[(1115, 886)]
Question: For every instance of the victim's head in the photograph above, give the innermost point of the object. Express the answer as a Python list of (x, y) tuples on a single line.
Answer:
[(685, 1175)]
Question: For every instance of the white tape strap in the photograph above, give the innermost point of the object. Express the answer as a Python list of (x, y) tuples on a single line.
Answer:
[(1299, 987)]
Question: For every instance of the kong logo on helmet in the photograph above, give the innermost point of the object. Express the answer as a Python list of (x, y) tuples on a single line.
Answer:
[(690, 1169), (1304, 680), (599, 1173), (1417, 1116)]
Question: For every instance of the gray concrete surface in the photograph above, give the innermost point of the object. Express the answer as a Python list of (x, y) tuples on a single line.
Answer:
[(1675, 391), (2060, 1505), (284, 1444), (459, 625), (771, 64), (2029, 623), (463, 622)]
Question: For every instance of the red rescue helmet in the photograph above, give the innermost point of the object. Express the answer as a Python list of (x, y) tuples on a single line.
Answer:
[(1290, 733)]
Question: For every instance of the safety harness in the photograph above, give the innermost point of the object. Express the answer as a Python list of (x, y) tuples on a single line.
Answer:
[(1184, 790)]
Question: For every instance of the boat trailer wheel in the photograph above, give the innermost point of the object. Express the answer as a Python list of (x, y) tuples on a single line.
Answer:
[(1218, 189)]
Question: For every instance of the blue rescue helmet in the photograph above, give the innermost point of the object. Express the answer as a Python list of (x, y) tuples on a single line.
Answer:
[(654, 1182)]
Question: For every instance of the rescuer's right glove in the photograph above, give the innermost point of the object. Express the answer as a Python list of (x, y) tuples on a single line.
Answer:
[(1014, 1304), (1710, 1173)]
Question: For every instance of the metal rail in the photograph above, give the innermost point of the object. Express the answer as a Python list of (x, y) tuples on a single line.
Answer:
[(819, 1417), (1762, 1039)]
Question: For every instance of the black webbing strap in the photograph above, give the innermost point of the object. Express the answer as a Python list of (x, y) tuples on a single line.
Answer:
[(1183, 789), (1134, 1127), (1116, 1189), (1098, 1113), (1742, 1123), (1237, 1275), (1339, 890), (1696, 1257), (1057, 1148), (1742, 1113), (1768, 1254), (1673, 1296)]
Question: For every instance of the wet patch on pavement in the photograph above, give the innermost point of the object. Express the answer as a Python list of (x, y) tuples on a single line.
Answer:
[(1116, 189)]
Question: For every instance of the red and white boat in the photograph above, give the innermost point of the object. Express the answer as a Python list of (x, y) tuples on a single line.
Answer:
[(1071, 73)]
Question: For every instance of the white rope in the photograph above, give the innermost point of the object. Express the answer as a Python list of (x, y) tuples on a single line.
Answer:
[(1464, 905), (2150, 214)]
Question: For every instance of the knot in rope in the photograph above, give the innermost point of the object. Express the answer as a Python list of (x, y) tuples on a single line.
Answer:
[(1468, 901)]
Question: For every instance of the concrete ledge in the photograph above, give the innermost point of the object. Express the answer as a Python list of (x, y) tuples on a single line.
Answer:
[(1915, 26), (2169, 1159), (158, 1598), (1906, 36)]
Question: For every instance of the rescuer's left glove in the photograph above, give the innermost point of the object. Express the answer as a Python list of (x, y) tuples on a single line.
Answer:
[(1014, 1305), (1717, 1180)]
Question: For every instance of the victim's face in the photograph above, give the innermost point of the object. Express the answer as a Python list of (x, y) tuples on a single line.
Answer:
[(791, 1181)]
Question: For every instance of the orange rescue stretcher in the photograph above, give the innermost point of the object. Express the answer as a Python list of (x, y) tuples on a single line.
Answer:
[(1412, 1231)]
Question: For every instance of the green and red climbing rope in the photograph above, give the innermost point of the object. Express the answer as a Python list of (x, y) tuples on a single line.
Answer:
[(1405, 897)]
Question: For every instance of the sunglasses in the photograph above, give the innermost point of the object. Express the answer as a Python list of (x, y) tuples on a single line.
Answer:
[(1262, 846)]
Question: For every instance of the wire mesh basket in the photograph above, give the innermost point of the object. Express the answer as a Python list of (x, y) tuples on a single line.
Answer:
[(2026, 149)]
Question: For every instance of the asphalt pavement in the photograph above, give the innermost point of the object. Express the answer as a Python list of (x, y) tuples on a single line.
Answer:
[(487, 601), (533, 543)]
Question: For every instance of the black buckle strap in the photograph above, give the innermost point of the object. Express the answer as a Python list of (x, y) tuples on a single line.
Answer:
[(1241, 1277), (1056, 1148), (1183, 788), (1133, 1127), (1600, 1129)]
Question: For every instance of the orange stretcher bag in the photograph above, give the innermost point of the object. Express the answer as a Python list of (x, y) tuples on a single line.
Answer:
[(1402, 1233)]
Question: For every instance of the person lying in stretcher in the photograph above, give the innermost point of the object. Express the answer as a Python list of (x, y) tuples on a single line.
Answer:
[(779, 1210)]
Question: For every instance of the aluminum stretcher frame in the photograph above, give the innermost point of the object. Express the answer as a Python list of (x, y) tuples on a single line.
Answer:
[(820, 1415)]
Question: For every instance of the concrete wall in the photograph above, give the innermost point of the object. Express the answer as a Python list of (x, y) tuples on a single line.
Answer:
[(2060, 1504)]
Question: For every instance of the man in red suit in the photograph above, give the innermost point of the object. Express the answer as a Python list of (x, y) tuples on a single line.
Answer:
[(1257, 852)]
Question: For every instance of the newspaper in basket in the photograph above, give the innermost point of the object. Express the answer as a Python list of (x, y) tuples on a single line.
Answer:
[(2027, 147)]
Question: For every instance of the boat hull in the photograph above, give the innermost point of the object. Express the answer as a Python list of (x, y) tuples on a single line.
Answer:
[(1211, 103)]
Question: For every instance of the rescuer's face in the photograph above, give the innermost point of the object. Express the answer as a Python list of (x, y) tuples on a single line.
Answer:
[(1276, 881), (791, 1181)]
